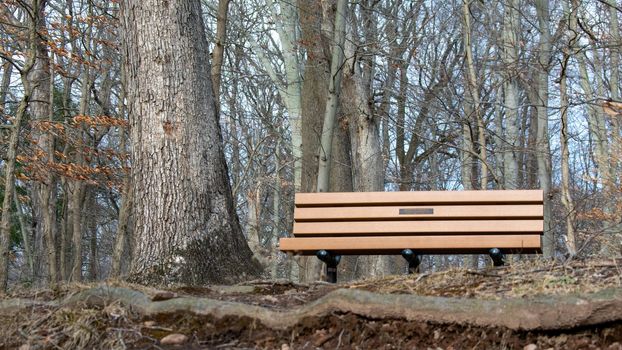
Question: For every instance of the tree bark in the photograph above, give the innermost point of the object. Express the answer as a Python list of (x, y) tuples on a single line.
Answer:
[(186, 229)]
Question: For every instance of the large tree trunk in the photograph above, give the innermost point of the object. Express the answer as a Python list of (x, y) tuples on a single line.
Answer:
[(185, 228)]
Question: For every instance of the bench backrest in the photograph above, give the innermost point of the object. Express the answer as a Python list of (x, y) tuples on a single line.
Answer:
[(418, 213)]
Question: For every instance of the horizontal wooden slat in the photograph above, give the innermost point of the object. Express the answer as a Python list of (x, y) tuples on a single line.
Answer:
[(423, 244), (409, 227), (470, 212), (417, 197)]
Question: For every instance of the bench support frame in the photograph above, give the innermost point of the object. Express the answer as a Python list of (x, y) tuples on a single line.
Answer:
[(331, 261), (413, 260), (498, 259)]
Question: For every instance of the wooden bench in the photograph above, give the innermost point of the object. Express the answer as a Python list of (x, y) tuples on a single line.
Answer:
[(329, 225)]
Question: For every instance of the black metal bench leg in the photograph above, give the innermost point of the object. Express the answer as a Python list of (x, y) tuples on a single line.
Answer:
[(413, 260), (497, 257), (331, 262)]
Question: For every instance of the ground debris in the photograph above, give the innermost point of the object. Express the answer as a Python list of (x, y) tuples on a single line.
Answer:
[(526, 306)]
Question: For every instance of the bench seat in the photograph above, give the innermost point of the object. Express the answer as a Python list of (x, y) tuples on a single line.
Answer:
[(430, 222)]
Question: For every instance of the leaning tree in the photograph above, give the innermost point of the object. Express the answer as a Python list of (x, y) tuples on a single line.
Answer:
[(185, 226)]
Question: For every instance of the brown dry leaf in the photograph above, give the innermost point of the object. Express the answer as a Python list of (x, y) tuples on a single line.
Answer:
[(612, 108)]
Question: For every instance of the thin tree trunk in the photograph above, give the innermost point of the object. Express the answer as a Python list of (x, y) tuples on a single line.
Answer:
[(90, 203), (65, 235), (543, 154), (498, 137), (219, 49), (566, 197), (383, 112), (276, 210), (614, 77), (9, 180), (26, 234), (44, 198), (123, 237), (253, 205), (78, 190), (597, 131), (77, 201), (316, 18), (614, 26), (405, 173), (471, 77), (291, 91), (334, 90), (366, 147), (7, 70), (510, 60)]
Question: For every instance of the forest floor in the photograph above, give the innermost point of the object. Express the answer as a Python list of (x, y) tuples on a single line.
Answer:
[(529, 305)]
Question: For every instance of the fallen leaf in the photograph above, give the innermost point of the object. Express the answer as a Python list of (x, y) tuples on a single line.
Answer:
[(163, 295), (174, 339)]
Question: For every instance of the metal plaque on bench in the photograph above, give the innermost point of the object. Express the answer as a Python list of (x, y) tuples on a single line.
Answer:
[(417, 211)]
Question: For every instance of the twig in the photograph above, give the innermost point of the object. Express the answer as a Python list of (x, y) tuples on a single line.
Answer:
[(472, 272), (339, 340), (421, 276)]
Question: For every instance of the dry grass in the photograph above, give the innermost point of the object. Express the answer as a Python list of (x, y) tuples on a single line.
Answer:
[(533, 277)]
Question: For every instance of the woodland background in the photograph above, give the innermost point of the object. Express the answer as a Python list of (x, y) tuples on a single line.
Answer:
[(419, 95)]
